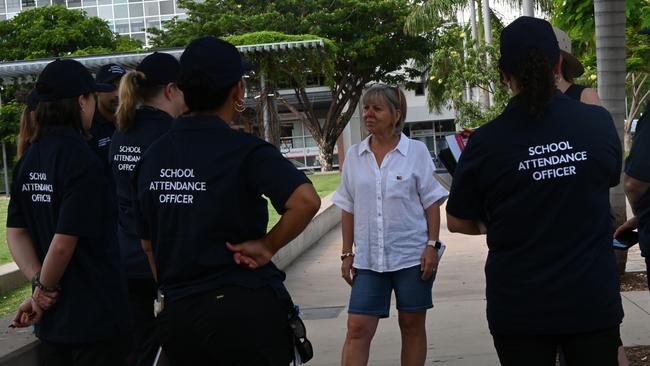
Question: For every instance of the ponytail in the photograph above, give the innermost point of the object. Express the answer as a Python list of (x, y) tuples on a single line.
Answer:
[(26, 132), (134, 91), (536, 81)]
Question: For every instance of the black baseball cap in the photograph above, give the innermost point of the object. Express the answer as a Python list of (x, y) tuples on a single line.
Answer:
[(32, 100), (108, 73), (160, 68), (217, 59), (68, 78), (524, 34)]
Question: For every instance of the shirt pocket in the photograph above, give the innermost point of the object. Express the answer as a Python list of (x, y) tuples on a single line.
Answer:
[(399, 185)]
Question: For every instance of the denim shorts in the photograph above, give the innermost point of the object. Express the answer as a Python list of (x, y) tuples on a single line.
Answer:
[(371, 291)]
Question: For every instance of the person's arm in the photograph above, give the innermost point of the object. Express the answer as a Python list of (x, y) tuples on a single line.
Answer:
[(148, 250), (57, 259), (347, 231), (430, 258), (590, 96), (634, 189), (300, 208), (23, 252), (469, 227)]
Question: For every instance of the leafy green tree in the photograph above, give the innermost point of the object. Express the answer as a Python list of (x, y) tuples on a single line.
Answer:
[(577, 18), (367, 38), (9, 121), (455, 70), (55, 31)]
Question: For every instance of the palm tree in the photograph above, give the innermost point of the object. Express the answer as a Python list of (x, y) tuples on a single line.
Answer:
[(610, 59)]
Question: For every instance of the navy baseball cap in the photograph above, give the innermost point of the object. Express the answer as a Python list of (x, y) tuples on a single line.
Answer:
[(108, 73), (217, 59), (159, 69), (68, 78), (522, 35)]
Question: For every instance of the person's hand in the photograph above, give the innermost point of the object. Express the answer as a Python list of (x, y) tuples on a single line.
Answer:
[(251, 254), (347, 271), (428, 262), (28, 314), (45, 299), (630, 224)]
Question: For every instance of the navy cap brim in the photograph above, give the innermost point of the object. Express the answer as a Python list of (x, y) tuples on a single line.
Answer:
[(104, 88)]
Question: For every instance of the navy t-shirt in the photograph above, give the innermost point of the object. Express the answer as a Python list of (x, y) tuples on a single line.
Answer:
[(126, 150), (101, 132), (200, 186), (542, 189), (58, 187), (638, 167)]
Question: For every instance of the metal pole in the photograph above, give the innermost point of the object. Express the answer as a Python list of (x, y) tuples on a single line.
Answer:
[(4, 158)]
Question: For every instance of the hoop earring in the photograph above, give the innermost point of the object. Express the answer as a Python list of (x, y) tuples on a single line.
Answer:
[(240, 105)]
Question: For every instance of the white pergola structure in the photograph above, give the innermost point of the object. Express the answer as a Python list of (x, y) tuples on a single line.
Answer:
[(129, 60)]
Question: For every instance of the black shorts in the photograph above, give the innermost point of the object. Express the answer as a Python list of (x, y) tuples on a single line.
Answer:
[(233, 326), (599, 348), (110, 352)]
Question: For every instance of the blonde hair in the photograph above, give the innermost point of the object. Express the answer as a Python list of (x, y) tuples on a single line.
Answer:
[(393, 97), (134, 91), (26, 132)]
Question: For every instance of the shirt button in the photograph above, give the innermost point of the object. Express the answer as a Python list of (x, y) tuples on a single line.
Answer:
[(380, 214), (378, 198)]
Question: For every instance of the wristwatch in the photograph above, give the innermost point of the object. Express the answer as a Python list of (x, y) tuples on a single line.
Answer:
[(435, 243)]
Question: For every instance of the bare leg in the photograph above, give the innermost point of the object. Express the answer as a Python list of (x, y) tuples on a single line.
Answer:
[(622, 358), (414, 337), (356, 349)]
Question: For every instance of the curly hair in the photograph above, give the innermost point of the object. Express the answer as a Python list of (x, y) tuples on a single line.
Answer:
[(536, 81)]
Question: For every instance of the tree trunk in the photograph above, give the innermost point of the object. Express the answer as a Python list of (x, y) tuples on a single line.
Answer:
[(528, 8), (487, 30), (610, 57), (326, 155)]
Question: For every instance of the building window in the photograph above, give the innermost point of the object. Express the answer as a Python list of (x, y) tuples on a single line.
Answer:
[(28, 3), (137, 25), (153, 23), (151, 9), (105, 12), (13, 6), (136, 10), (122, 26), (121, 11), (91, 11), (166, 7), (419, 89)]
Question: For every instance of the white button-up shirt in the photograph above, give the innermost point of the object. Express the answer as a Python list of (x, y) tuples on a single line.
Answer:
[(388, 203)]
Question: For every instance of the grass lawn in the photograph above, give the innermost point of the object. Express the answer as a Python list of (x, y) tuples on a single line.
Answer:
[(5, 257), (325, 183)]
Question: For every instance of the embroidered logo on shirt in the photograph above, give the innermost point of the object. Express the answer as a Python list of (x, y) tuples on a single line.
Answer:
[(104, 142), (399, 177)]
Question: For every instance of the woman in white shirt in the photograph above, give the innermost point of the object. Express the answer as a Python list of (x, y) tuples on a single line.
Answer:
[(390, 205)]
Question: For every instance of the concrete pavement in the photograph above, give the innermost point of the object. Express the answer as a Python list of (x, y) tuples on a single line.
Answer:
[(456, 327)]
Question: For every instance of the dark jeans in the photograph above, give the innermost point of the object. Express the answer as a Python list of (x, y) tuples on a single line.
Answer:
[(103, 353), (598, 348), (142, 293), (233, 326)]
